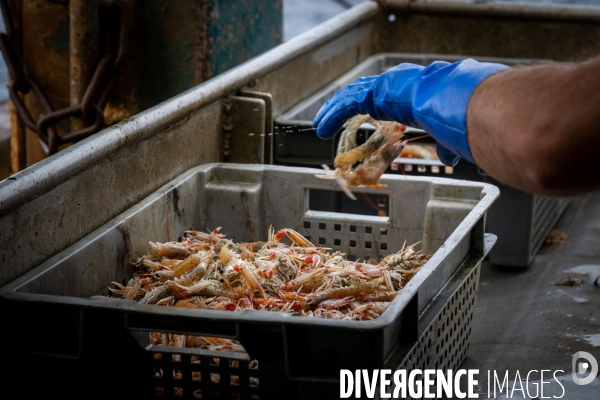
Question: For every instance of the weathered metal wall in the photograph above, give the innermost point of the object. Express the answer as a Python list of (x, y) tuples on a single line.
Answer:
[(560, 33), (75, 207)]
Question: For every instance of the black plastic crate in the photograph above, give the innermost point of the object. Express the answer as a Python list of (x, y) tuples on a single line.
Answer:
[(83, 344)]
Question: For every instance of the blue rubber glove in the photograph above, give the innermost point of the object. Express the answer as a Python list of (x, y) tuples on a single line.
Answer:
[(433, 98)]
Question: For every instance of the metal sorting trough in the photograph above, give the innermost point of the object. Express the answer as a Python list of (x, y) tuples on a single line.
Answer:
[(55, 203), (446, 216), (520, 220), (297, 145)]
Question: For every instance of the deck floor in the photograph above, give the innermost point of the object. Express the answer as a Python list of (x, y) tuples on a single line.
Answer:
[(524, 322)]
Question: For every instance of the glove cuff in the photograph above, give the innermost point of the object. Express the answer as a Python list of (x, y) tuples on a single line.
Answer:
[(441, 98)]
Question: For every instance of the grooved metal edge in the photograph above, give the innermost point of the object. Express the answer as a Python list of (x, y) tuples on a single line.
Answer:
[(512, 10)]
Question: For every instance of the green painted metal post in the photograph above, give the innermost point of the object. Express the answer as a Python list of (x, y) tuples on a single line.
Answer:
[(185, 43)]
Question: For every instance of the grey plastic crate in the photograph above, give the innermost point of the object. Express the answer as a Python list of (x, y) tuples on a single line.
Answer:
[(63, 300), (520, 220)]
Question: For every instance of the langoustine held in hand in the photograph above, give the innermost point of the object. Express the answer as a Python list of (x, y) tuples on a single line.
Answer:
[(376, 154), (216, 273)]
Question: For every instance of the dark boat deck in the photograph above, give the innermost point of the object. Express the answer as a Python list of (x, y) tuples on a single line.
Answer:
[(524, 322)]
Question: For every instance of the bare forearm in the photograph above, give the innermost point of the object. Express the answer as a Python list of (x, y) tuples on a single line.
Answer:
[(538, 128)]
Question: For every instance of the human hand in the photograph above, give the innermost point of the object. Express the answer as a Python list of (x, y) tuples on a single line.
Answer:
[(433, 98)]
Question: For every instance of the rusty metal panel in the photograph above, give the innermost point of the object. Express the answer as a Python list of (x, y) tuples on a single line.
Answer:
[(83, 43), (58, 57), (185, 43), (46, 54), (168, 48)]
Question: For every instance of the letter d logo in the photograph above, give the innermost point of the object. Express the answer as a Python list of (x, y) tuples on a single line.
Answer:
[(582, 367)]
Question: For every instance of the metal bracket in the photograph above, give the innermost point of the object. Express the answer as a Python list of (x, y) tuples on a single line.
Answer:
[(268, 99), (244, 130)]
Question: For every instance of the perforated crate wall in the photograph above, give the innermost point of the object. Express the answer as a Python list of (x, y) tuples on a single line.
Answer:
[(445, 342), (358, 240), (184, 374), (546, 211)]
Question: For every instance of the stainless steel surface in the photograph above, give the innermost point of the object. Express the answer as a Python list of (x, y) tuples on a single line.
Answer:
[(65, 196)]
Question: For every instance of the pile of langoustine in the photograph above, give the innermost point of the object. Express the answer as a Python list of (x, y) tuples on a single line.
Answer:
[(208, 271)]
